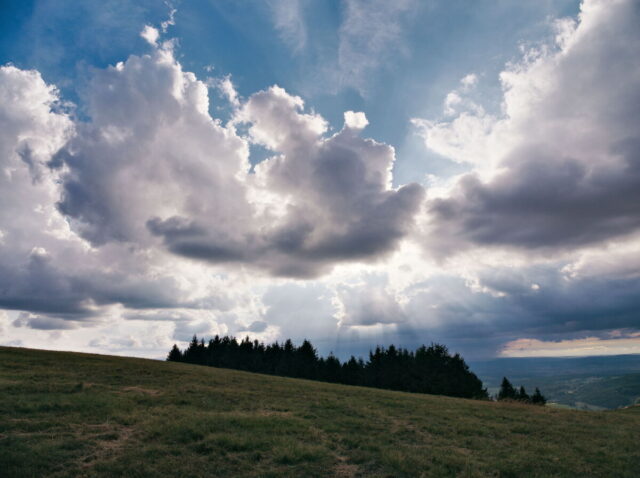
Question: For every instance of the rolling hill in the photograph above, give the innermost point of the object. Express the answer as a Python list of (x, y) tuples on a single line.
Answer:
[(80, 415)]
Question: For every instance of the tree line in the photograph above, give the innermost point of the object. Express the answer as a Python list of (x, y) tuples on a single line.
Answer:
[(509, 392), (430, 369)]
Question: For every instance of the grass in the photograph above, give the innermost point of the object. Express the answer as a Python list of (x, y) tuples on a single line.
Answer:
[(80, 415)]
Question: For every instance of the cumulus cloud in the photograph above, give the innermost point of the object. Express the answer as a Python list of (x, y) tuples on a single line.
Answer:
[(152, 155), (150, 34), (319, 201), (560, 168), (355, 120), (99, 215), (46, 269)]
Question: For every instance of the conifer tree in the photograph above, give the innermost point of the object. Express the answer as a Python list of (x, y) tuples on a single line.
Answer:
[(174, 354), (522, 395), (507, 392), (191, 354), (538, 398)]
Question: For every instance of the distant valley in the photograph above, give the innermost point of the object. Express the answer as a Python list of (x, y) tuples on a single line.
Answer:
[(587, 383)]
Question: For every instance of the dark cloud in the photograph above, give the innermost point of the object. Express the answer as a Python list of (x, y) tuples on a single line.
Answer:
[(545, 202), (43, 323), (507, 304)]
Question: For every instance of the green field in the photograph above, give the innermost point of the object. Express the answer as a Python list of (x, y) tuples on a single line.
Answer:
[(75, 415)]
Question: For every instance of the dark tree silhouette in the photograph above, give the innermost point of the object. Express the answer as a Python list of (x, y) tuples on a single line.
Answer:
[(427, 370), (537, 398), (522, 395), (174, 354), (507, 392)]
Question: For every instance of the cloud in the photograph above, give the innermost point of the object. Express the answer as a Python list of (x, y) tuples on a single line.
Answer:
[(370, 35), (469, 81), (142, 221), (42, 323), (317, 202), (368, 304), (227, 89), (151, 152), (288, 20), (560, 168), (150, 34), (302, 309), (45, 267), (572, 348), (355, 120), (152, 166), (171, 20), (99, 214)]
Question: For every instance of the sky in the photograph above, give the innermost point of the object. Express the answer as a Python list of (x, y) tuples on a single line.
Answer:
[(353, 172)]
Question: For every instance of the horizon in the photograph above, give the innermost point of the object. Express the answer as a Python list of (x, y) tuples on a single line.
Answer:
[(344, 357), (351, 172)]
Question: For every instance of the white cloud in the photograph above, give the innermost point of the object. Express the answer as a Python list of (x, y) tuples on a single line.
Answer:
[(355, 120), (171, 21), (227, 89), (469, 81), (152, 153), (150, 34)]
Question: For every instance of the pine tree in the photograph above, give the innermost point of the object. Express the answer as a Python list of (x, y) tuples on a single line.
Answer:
[(191, 354), (506, 390), (522, 395), (538, 398), (174, 355)]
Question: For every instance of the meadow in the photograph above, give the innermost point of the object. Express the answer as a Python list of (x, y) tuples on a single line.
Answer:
[(79, 415)]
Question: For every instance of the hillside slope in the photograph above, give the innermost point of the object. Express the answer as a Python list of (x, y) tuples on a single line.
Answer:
[(71, 415)]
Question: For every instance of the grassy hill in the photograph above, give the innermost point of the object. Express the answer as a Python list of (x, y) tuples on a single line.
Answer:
[(75, 415)]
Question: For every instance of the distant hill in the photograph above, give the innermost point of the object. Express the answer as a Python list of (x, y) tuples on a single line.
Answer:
[(80, 415), (590, 383)]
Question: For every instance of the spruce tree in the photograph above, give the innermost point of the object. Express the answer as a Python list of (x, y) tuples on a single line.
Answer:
[(522, 395), (538, 398), (174, 354), (506, 390)]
